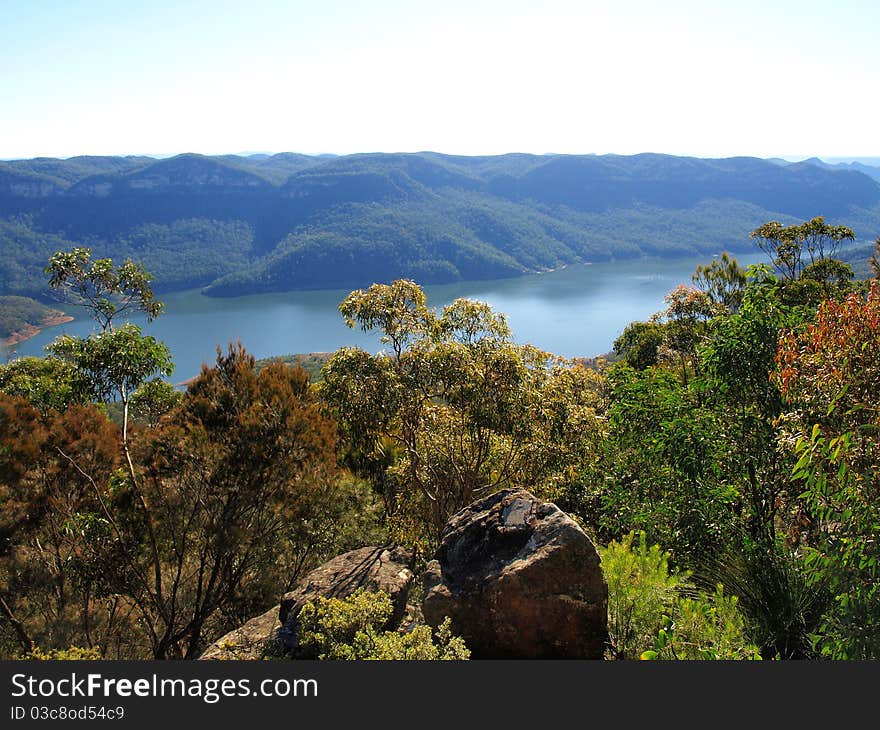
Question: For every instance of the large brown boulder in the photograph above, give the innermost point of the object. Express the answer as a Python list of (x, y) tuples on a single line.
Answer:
[(386, 569), (519, 579)]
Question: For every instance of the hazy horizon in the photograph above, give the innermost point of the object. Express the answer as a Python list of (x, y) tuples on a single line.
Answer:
[(865, 160)]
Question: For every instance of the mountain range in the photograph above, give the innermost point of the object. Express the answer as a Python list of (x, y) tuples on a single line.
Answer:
[(237, 224)]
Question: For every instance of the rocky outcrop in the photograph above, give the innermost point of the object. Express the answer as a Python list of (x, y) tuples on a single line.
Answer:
[(519, 579), (372, 568), (249, 641), (386, 569)]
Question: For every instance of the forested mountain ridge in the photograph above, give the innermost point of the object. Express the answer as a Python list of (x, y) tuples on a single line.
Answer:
[(236, 224)]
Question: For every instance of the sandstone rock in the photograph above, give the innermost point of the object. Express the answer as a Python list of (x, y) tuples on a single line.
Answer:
[(519, 579), (248, 641), (387, 569), (373, 568)]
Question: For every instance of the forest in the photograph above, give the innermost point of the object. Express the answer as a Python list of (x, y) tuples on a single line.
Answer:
[(725, 461), (235, 225)]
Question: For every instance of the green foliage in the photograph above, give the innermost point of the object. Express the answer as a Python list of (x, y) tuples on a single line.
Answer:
[(47, 382), (723, 281), (72, 653), (874, 261), (709, 627), (106, 291), (794, 246), (153, 399), (639, 344), (737, 360), (651, 617), (685, 322), (780, 596), (829, 372), (115, 362), (455, 410), (640, 591), (351, 628), (656, 467)]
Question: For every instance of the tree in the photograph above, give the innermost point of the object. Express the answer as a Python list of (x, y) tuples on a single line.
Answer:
[(53, 468), (723, 281), (455, 410), (228, 477), (46, 382), (639, 344), (829, 373), (154, 399), (874, 261), (832, 277), (106, 291), (788, 244), (655, 467), (236, 492), (114, 363), (803, 254), (684, 326), (737, 360)]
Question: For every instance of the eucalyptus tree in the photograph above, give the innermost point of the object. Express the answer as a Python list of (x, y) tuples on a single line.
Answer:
[(115, 361), (454, 409)]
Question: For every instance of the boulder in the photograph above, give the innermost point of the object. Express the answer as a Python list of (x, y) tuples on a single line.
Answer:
[(519, 579), (386, 569)]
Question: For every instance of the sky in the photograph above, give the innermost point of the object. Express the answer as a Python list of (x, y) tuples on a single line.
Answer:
[(477, 77)]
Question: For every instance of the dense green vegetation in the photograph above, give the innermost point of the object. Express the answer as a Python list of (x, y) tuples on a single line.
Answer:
[(726, 462), (351, 628), (237, 225)]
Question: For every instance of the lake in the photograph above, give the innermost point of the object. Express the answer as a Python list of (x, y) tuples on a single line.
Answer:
[(575, 311)]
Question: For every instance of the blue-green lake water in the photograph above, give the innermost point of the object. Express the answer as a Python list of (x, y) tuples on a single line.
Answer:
[(575, 311)]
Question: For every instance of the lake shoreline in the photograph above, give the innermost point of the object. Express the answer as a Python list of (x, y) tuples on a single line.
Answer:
[(574, 312), (32, 330)]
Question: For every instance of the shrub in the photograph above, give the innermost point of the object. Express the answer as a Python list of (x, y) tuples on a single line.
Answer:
[(640, 591), (655, 613), (71, 653), (351, 628), (698, 628)]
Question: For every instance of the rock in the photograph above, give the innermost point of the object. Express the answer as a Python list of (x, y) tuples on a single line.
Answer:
[(387, 569), (373, 568), (519, 579), (249, 641)]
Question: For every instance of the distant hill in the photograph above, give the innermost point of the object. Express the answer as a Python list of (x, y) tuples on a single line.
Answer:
[(871, 170), (238, 224)]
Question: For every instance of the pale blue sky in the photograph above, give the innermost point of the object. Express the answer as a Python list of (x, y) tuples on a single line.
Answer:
[(741, 77)]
